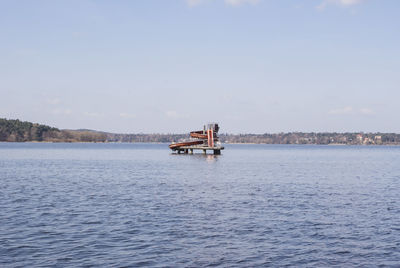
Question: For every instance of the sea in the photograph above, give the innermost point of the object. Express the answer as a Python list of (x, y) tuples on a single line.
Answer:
[(139, 205)]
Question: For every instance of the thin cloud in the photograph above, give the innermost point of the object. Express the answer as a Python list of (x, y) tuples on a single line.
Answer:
[(240, 2), (53, 101), (349, 110), (343, 3), (175, 115), (366, 111), (61, 112), (348, 2), (127, 115), (172, 114), (340, 111), (89, 114), (193, 3)]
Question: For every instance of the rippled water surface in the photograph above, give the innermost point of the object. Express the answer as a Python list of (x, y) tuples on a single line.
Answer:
[(126, 205)]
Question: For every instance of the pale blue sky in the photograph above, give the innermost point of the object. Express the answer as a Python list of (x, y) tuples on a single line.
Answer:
[(172, 65)]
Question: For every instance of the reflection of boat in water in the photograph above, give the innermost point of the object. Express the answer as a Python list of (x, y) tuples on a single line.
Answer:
[(206, 139)]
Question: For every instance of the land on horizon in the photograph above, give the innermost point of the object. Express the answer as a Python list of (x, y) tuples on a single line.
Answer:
[(23, 131)]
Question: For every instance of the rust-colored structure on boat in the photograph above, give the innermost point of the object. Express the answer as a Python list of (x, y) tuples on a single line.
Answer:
[(206, 139), (180, 144)]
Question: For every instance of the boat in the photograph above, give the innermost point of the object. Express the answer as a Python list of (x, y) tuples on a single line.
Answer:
[(206, 139)]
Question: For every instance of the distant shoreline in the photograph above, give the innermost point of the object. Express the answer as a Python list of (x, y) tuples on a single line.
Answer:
[(166, 143), (20, 131)]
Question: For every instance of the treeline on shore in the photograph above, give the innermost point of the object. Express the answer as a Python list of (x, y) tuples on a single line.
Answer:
[(279, 138), (315, 138), (18, 131)]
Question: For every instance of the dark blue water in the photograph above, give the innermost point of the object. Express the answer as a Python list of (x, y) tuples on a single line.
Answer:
[(127, 205)]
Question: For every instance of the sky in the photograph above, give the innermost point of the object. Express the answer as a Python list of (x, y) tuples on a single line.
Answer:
[(170, 66)]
